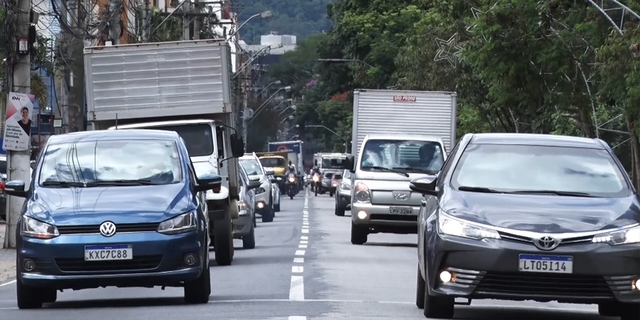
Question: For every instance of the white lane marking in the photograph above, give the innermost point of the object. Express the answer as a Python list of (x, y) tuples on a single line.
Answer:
[(304, 238), (298, 260), (305, 230), (311, 300), (296, 292), (299, 252), (304, 242), (297, 269), (302, 246), (297, 318), (7, 283), (305, 223)]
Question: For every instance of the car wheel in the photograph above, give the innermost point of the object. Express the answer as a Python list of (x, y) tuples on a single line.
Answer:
[(249, 241), (339, 210), (223, 241), (267, 216), (420, 290), (273, 207), (358, 234), (49, 295), (276, 207), (630, 312), (331, 194), (437, 307), (609, 309), (199, 290), (28, 297)]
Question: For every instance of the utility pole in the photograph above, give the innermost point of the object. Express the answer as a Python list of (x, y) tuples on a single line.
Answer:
[(62, 56), (186, 22), (115, 12), (146, 21), (19, 160), (197, 19), (76, 73)]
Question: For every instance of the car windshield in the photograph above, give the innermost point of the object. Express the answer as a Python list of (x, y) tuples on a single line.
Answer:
[(150, 161), (251, 166), (337, 177), (333, 163), (540, 168), (272, 162), (197, 137), (406, 155), (203, 168)]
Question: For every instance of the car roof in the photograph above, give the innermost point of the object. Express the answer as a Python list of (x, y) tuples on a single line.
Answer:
[(133, 134), (536, 139), (161, 124), (404, 136)]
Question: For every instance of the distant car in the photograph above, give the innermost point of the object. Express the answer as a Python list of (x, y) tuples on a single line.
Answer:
[(326, 181), (244, 225), (343, 194), (113, 208), (529, 217), (264, 200)]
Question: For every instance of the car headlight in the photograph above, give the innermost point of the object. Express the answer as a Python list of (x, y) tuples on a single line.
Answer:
[(182, 223), (260, 190), (345, 186), (362, 193), (243, 208), (626, 235), (456, 227), (33, 228)]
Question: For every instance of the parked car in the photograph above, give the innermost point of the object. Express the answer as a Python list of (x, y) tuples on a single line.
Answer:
[(343, 194), (126, 210), (264, 200), (529, 216), (244, 225), (275, 192)]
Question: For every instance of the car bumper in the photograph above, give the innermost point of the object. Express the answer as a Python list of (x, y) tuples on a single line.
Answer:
[(242, 225), (489, 270), (158, 260), (379, 219), (344, 197)]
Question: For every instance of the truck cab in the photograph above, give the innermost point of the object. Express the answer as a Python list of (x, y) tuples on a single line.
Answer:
[(381, 201)]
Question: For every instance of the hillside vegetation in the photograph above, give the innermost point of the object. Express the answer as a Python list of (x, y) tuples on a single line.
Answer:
[(299, 18)]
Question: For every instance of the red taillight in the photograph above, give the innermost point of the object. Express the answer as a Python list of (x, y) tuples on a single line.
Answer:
[(2, 186)]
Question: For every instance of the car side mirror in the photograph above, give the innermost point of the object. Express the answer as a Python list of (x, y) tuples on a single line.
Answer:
[(425, 185), (254, 184), (270, 172), (15, 188), (348, 163), (237, 146), (209, 181)]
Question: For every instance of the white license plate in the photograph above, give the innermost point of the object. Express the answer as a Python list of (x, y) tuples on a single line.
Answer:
[(545, 263), (400, 210), (108, 253)]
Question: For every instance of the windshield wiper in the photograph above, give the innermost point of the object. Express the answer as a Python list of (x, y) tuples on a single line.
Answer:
[(555, 192), (66, 184), (385, 169), (416, 169), (124, 182), (479, 189)]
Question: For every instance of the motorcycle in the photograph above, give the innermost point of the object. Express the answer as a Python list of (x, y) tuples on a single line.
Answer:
[(316, 183), (292, 185)]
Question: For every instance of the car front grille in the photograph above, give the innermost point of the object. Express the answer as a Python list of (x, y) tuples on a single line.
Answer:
[(544, 285), (80, 265), (133, 227)]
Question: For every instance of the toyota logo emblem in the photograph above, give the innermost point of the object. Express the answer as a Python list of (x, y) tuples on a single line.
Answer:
[(547, 243), (107, 229)]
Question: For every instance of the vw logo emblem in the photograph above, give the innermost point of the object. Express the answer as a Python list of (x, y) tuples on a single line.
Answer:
[(546, 243), (402, 196), (107, 229)]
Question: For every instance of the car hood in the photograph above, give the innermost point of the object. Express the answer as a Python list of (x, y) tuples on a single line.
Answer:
[(122, 204), (542, 213)]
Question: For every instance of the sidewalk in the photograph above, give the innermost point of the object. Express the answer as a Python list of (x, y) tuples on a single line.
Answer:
[(7, 260)]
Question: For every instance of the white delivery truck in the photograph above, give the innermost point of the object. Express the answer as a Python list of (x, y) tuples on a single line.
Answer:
[(182, 86), (397, 136)]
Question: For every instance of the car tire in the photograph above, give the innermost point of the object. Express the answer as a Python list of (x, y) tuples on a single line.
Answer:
[(28, 297), (49, 295), (437, 307), (420, 290), (331, 194), (358, 234), (339, 210), (276, 207), (630, 312), (267, 216), (249, 241), (609, 309), (223, 241), (199, 290), (273, 208)]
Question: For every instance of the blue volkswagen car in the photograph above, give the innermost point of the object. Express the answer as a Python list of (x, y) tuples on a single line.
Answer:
[(113, 208)]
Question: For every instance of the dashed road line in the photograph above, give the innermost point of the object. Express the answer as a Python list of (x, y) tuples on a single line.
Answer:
[(297, 318), (296, 291)]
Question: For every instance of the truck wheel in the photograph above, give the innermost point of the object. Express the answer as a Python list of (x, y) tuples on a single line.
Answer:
[(249, 241), (199, 290), (28, 297), (358, 234), (223, 240)]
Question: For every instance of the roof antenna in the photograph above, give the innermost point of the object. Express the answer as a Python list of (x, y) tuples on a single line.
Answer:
[(116, 121)]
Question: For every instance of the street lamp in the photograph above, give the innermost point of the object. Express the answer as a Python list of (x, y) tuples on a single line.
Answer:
[(292, 107), (262, 15), (267, 86), (346, 143), (264, 104)]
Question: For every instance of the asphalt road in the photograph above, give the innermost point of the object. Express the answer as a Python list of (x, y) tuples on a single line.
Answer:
[(303, 267)]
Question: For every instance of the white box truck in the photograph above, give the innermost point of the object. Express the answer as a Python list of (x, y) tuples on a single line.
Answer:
[(182, 86), (397, 136)]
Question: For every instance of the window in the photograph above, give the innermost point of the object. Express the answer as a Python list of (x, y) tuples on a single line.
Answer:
[(517, 167), (273, 162), (333, 163), (337, 176), (109, 160), (197, 137), (251, 166), (328, 175), (410, 155)]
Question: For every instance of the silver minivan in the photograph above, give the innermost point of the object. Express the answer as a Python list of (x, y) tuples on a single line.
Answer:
[(381, 201)]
